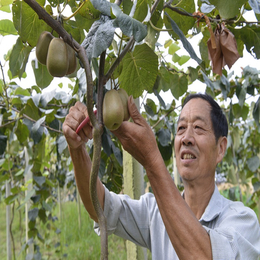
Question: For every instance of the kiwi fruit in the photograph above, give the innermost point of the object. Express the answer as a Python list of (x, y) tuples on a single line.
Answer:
[(72, 60), (42, 46), (57, 58), (113, 111), (124, 98)]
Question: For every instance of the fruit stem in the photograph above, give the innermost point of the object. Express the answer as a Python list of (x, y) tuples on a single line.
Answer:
[(78, 9)]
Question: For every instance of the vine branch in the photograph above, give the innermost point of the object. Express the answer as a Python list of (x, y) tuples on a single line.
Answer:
[(97, 131), (214, 20)]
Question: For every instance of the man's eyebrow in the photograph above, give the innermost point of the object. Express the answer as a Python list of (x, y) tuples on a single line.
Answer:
[(181, 119)]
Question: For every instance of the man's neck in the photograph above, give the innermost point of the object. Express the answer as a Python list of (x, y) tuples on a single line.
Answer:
[(198, 197)]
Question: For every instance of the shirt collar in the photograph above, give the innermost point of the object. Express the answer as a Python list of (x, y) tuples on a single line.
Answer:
[(214, 207)]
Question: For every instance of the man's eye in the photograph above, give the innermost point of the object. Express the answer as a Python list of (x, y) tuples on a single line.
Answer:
[(198, 127), (180, 128)]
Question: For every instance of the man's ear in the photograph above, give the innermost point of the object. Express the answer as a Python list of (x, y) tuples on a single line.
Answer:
[(222, 146)]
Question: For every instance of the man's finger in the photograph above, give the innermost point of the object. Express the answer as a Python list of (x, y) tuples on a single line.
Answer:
[(134, 113)]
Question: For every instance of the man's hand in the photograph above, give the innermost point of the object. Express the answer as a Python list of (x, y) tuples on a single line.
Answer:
[(76, 115), (138, 138)]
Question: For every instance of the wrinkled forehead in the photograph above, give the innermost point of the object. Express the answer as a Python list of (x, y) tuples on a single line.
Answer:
[(196, 109)]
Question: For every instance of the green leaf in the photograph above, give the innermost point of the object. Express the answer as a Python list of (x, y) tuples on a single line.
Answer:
[(29, 195), (228, 8), (62, 144), (72, 28), (33, 214), (179, 85), (3, 143), (250, 36), (175, 58), (255, 6), (102, 5), (141, 9), (140, 69), (193, 74), (99, 37), (208, 82), (166, 151), (183, 59), (1, 86), (173, 48), (35, 135), (22, 92), (166, 78), (42, 76), (118, 154), (151, 104), (27, 22), (235, 138), (253, 163), (10, 199), (164, 136), (20, 172), (239, 111), (31, 110), (256, 112), (107, 142), (38, 124), (47, 97), (7, 27), (156, 93), (128, 25), (180, 20), (188, 47), (5, 5), (18, 58), (152, 36), (6, 164), (40, 180)]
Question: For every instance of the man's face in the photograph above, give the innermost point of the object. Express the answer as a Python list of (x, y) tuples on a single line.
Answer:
[(197, 152)]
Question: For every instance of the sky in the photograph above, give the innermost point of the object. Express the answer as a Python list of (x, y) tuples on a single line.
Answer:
[(6, 43)]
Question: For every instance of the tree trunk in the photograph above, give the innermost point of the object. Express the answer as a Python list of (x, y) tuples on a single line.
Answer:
[(8, 223), (79, 209), (134, 187), (28, 177)]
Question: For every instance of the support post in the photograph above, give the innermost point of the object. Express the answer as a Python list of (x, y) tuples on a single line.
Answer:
[(134, 187)]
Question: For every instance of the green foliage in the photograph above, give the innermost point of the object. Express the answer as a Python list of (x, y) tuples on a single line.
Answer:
[(31, 138), (70, 240), (139, 73), (228, 8)]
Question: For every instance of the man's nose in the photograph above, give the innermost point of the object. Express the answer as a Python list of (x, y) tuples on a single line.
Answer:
[(188, 137)]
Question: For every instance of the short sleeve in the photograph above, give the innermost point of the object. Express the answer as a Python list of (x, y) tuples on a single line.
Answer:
[(128, 218), (237, 236)]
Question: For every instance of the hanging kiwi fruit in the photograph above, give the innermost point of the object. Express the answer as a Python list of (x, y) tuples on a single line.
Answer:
[(115, 108), (43, 46), (57, 58), (72, 60), (57, 55), (124, 98)]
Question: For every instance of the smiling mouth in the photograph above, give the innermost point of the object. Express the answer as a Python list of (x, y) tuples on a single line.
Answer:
[(188, 156)]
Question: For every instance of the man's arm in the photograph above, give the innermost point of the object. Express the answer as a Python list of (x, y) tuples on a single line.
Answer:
[(189, 239), (80, 158)]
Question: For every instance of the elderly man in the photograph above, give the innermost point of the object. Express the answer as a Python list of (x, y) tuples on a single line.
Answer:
[(200, 223)]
